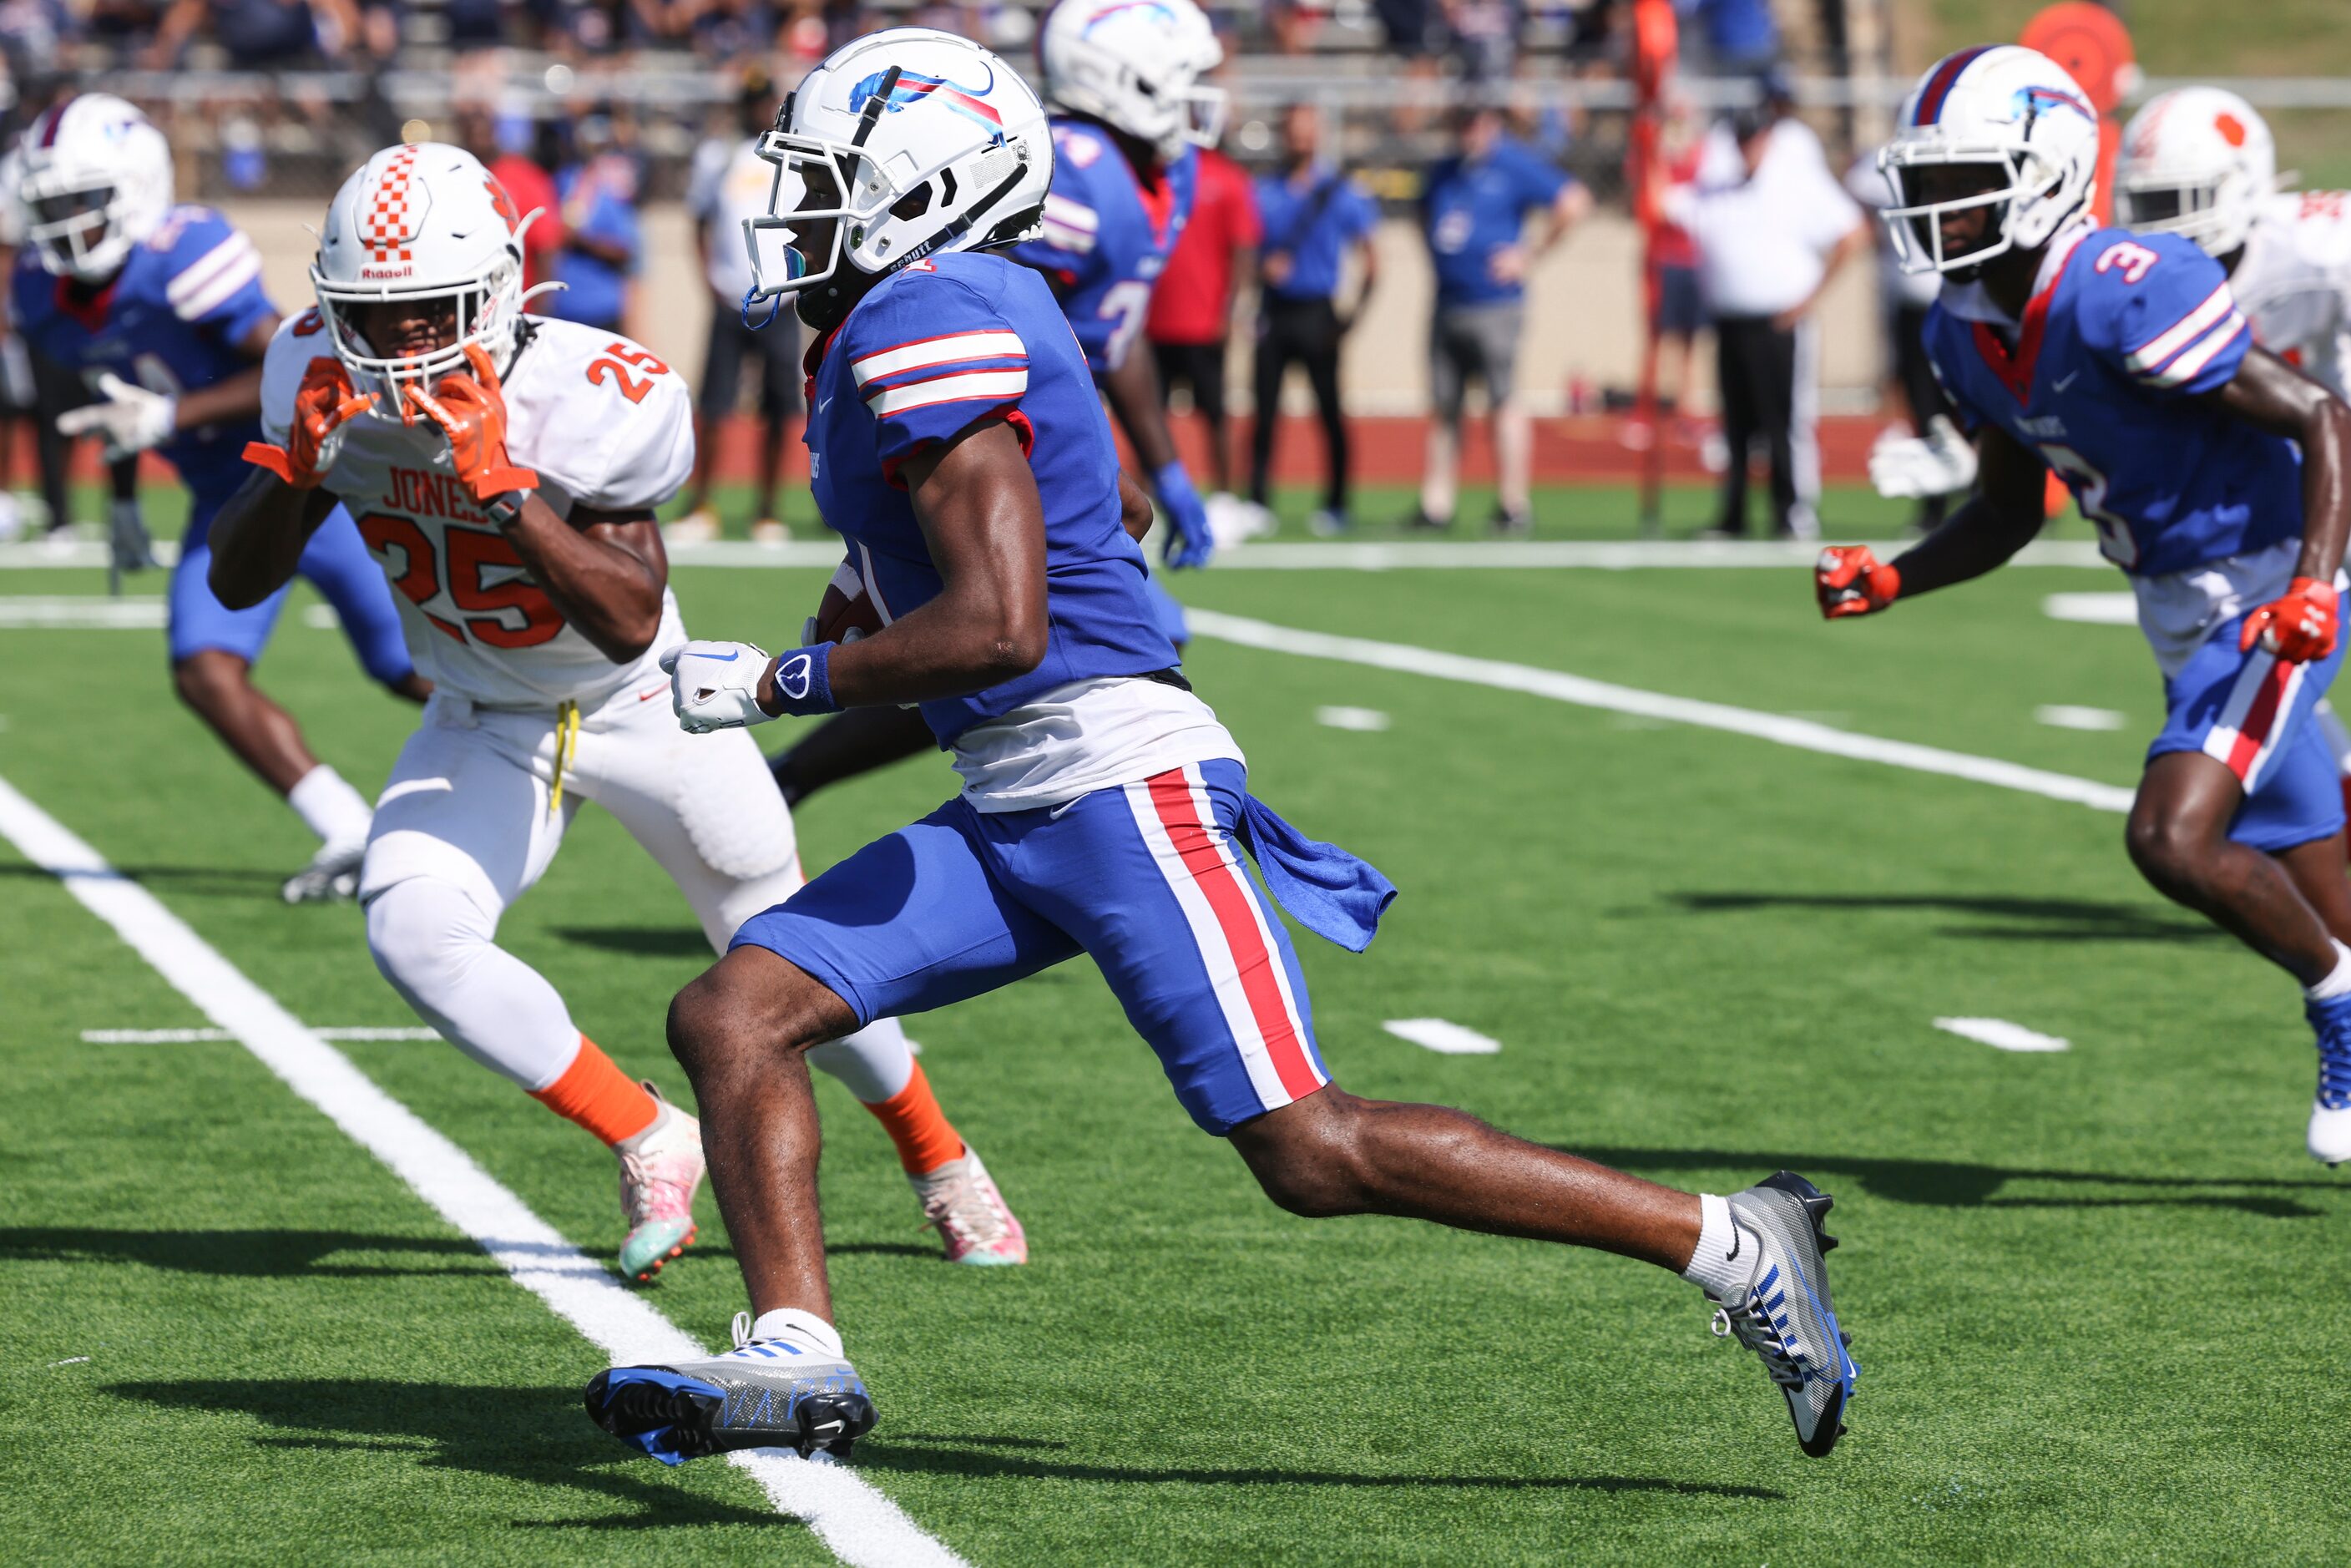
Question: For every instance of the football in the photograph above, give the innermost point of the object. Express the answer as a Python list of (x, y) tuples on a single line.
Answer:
[(846, 612)]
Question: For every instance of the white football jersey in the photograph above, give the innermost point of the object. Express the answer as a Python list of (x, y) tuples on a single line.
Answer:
[(602, 422), (2294, 282)]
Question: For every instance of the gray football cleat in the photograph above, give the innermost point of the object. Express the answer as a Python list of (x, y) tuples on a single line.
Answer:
[(1784, 1315), (763, 1394)]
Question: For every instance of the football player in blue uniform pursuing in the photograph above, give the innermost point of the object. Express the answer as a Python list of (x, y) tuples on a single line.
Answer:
[(2122, 362), (162, 311), (1123, 79), (962, 448)]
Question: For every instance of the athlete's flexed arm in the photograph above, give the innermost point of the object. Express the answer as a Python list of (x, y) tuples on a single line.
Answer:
[(2000, 519), (975, 499), (257, 538), (2269, 393)]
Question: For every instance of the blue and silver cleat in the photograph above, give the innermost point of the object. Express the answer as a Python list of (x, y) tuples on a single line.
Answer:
[(763, 1394), (2330, 1111), (1784, 1315)]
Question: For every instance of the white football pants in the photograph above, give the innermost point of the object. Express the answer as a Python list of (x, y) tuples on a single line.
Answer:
[(464, 829)]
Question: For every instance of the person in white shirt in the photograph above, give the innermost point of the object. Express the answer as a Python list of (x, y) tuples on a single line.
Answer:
[(728, 184), (1923, 455), (1772, 227)]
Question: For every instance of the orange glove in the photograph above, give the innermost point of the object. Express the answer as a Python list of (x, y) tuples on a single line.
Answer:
[(2298, 628), (471, 412), (322, 405), (1849, 580)]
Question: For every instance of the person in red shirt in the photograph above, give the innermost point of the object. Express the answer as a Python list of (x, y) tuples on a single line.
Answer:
[(1192, 305), (506, 151)]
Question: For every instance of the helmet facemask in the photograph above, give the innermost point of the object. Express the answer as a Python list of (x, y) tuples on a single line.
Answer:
[(2196, 209), (485, 308), (75, 225), (1932, 185)]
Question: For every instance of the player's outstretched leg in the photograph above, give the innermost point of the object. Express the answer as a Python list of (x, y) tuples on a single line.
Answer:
[(1759, 1255), (742, 1032), (2290, 904)]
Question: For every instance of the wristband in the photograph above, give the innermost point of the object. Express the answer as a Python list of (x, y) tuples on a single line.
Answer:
[(802, 682), (505, 509)]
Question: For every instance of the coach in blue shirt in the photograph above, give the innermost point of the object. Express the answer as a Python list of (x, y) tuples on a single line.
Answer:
[(1311, 216), (1474, 209)]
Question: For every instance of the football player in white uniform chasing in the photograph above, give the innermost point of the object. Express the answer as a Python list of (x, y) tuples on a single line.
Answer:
[(505, 470)]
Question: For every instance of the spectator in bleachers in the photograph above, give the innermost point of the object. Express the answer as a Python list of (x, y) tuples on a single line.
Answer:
[(1676, 305), (1191, 318), (731, 31), (1314, 217), (597, 198), (1727, 37), (259, 35), (1474, 208), (731, 183), (1770, 233)]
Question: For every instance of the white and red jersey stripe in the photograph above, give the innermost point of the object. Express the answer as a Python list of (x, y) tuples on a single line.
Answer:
[(988, 364), (2251, 724), (1229, 923)]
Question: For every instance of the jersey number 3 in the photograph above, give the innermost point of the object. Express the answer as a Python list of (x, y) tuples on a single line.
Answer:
[(493, 606), (614, 368)]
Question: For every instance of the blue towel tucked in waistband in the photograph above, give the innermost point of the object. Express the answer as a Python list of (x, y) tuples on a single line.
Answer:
[(1332, 893)]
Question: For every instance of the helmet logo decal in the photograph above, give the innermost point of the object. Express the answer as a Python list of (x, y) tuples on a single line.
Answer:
[(913, 89), (502, 203), (2034, 101), (2232, 129), (388, 224), (1162, 12)]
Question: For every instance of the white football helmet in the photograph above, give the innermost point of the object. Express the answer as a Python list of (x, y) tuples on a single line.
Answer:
[(96, 180), (904, 143), (419, 223), (2005, 107), (1135, 65), (2198, 161)]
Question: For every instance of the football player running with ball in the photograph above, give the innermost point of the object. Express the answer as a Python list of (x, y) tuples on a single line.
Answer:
[(2123, 362), (161, 307), (961, 447), (505, 469)]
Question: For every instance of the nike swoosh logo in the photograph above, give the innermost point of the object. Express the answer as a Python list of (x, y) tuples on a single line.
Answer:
[(2069, 381), (1736, 1236), (716, 660)]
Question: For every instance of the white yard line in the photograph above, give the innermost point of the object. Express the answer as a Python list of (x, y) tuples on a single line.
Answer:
[(853, 1518), (1367, 720), (80, 612), (1443, 1036), (199, 1036), (2001, 1035), (1779, 728), (1511, 555), (2093, 609), (2065, 716)]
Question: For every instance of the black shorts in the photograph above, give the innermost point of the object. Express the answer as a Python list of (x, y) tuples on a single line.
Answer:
[(1681, 311), (1200, 367), (775, 349)]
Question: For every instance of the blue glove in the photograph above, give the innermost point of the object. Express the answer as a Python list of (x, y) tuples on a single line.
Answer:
[(1193, 543)]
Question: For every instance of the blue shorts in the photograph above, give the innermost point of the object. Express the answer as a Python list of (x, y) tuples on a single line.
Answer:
[(2256, 715), (1148, 878), (337, 563)]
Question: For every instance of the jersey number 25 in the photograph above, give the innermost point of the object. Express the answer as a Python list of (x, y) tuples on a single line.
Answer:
[(493, 606)]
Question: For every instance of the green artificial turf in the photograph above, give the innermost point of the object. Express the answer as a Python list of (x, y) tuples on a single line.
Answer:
[(2095, 1294)]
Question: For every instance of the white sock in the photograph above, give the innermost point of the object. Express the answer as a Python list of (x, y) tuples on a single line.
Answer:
[(338, 813), (2338, 979), (801, 1328), (1725, 1260)]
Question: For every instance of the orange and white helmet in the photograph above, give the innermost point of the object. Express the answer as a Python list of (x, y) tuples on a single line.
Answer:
[(2197, 161), (420, 222), (2007, 108), (95, 179)]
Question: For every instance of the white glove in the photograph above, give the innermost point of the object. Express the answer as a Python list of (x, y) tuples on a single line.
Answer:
[(132, 419), (716, 686), (1938, 462)]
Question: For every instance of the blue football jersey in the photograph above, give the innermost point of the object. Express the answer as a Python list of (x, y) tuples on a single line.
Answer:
[(170, 321), (1107, 235), (2102, 378), (934, 349)]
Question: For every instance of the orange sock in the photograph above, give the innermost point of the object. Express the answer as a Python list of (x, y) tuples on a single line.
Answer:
[(926, 1138), (595, 1093)]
